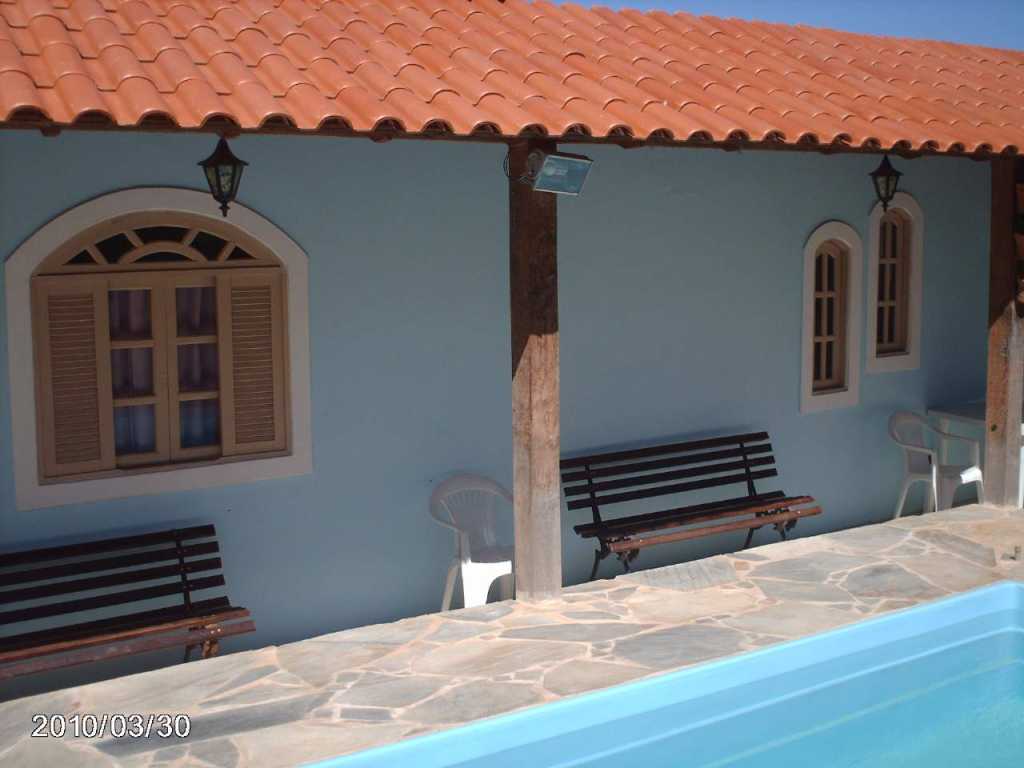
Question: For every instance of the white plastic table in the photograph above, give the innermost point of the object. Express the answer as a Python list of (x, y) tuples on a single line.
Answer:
[(970, 416)]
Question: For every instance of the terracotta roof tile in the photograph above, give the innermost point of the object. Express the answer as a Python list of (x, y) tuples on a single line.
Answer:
[(499, 67)]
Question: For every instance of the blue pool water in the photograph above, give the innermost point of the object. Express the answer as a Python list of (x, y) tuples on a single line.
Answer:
[(936, 686)]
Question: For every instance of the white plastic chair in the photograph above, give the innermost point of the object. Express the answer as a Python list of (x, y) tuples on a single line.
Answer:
[(920, 442), (471, 506)]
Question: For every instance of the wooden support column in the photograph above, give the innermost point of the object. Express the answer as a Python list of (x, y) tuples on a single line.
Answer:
[(1004, 393), (533, 270)]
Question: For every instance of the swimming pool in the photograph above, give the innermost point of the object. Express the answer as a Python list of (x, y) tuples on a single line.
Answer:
[(937, 685)]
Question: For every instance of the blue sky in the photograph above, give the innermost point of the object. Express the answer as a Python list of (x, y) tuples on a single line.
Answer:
[(998, 23)]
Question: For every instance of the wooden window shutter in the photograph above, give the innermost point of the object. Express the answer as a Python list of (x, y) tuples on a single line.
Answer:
[(73, 389), (251, 336)]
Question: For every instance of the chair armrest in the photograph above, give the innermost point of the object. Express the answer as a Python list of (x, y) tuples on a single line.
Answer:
[(975, 445), (931, 454)]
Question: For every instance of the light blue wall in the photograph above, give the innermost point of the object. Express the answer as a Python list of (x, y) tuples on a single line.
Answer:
[(680, 311)]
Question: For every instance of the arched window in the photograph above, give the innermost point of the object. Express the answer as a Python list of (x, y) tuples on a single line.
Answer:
[(830, 329), (162, 338), (831, 325), (894, 286)]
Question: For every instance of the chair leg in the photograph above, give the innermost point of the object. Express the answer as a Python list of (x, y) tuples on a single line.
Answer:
[(477, 579), (903, 498), (449, 586), (931, 502)]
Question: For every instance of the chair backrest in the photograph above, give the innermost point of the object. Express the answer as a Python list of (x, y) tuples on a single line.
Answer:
[(478, 507), (591, 482), (907, 428)]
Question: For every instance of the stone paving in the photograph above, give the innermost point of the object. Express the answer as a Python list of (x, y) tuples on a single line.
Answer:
[(330, 695)]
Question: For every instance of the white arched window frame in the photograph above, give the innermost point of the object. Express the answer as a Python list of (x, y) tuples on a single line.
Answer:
[(30, 492), (849, 394), (910, 358)]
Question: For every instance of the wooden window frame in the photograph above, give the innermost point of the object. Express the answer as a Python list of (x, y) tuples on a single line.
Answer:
[(29, 493), (67, 272), (843, 389), (905, 353), (829, 369)]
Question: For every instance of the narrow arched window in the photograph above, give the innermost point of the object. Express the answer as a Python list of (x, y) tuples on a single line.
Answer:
[(831, 265), (895, 269), (832, 311), (892, 297)]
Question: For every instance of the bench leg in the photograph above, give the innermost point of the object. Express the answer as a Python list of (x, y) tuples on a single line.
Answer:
[(626, 558), (210, 648), (599, 555), (750, 537)]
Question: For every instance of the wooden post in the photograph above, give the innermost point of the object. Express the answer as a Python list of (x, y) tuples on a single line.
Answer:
[(1004, 393), (533, 270)]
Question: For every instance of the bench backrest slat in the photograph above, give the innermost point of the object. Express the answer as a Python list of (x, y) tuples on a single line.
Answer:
[(33, 556), (101, 579), (105, 601), (82, 567), (54, 589), (614, 477), (665, 490), (661, 450), (664, 477), (679, 460)]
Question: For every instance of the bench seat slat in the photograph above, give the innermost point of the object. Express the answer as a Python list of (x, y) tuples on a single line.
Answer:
[(653, 521), (665, 490), (110, 580), (661, 450), (34, 556), (17, 651), (632, 481), (709, 530), (113, 624), (600, 470), (82, 567), (123, 648), (105, 601)]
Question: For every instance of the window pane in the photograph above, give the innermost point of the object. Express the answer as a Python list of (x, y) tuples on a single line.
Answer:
[(817, 361), (197, 367), (818, 310), (208, 245), (132, 372), (880, 326), (197, 311), (200, 423), (831, 272), (817, 271), (830, 317), (129, 315), (134, 429)]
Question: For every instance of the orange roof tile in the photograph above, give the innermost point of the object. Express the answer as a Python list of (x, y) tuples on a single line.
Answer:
[(498, 68)]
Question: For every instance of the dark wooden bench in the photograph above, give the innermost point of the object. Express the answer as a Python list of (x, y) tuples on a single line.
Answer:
[(601, 480), (48, 623)]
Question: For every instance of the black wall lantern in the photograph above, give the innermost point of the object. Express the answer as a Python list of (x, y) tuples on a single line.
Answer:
[(886, 180), (223, 173)]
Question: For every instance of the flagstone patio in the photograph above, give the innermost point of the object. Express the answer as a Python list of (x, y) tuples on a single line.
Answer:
[(310, 700)]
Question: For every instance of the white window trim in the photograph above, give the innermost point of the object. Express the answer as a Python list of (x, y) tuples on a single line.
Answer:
[(911, 359), (809, 401), (29, 492)]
